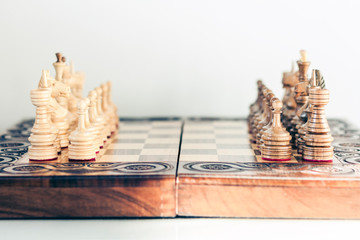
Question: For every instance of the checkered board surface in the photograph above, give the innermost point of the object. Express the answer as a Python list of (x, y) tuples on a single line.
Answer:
[(141, 146), (145, 141), (222, 141)]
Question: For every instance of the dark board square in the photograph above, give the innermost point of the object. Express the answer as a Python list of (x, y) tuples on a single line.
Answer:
[(199, 151), (123, 152)]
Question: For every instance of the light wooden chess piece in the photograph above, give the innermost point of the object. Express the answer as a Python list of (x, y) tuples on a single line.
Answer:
[(318, 138), (113, 108), (276, 139), (105, 109), (59, 66), (77, 82), (59, 114), (42, 138), (101, 116), (44, 83), (90, 128), (82, 147), (94, 120)]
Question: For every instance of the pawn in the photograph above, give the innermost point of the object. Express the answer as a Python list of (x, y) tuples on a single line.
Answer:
[(113, 109), (276, 139), (92, 129), (42, 137), (94, 120), (318, 139), (82, 147)]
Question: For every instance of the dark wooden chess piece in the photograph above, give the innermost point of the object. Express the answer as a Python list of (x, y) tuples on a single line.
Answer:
[(276, 139), (318, 138)]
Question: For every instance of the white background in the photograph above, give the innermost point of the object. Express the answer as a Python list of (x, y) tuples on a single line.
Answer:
[(180, 58)]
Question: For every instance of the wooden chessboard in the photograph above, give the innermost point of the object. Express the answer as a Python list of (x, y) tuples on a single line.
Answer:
[(172, 167)]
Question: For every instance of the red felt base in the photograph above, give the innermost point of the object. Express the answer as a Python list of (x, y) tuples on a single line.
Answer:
[(52, 159), (81, 160), (274, 159), (311, 160)]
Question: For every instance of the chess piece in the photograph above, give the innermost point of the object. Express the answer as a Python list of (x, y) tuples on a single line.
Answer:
[(304, 110), (95, 121), (76, 82), (113, 110), (301, 96), (289, 81), (266, 124), (318, 138), (59, 66), (105, 109), (263, 115), (45, 84), (276, 140), (101, 116), (254, 108), (82, 147), (42, 138), (90, 128), (59, 114)]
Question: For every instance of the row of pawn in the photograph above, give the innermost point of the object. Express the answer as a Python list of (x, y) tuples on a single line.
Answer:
[(271, 137), (265, 127)]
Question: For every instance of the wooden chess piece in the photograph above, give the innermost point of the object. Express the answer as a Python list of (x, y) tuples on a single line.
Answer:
[(301, 96), (289, 81), (90, 128), (261, 114), (304, 110), (266, 124), (113, 109), (101, 115), (82, 147), (95, 121), (44, 83), (254, 108), (42, 138), (59, 115), (59, 66), (276, 139), (77, 82), (105, 109), (318, 139)]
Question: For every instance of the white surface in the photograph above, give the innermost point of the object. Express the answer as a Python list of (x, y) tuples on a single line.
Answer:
[(179, 57), (179, 229)]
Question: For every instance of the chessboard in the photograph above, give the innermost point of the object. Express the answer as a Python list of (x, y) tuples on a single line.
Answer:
[(172, 167), (132, 176)]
